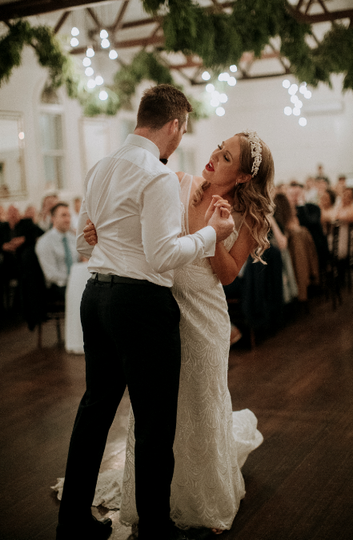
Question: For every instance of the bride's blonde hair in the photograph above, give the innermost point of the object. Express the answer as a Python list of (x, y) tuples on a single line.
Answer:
[(253, 198)]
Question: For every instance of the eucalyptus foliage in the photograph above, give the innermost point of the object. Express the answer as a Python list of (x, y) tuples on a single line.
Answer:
[(219, 38)]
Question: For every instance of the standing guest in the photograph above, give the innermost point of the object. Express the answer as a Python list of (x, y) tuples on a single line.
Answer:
[(56, 251), (328, 209), (321, 176), (340, 187), (309, 216), (133, 200), (310, 190), (45, 218), (344, 216)]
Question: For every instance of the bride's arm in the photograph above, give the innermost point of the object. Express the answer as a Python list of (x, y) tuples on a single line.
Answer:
[(227, 265)]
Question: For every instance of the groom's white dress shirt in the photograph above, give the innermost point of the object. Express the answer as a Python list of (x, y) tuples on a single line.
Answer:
[(134, 202)]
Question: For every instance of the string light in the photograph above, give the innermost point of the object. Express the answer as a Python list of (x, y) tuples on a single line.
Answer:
[(74, 31), (206, 76), (86, 61), (103, 34), (113, 54), (74, 42), (297, 103), (90, 52), (220, 111), (105, 43), (103, 95), (99, 80)]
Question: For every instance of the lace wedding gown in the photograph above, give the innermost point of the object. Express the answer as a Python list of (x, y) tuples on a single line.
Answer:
[(211, 442)]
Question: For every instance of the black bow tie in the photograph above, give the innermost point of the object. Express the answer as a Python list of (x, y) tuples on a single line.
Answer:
[(164, 161)]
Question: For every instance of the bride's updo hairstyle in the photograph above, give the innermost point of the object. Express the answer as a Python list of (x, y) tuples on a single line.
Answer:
[(253, 198)]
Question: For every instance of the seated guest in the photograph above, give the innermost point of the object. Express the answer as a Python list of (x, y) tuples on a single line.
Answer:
[(56, 251), (309, 216), (300, 245), (17, 236)]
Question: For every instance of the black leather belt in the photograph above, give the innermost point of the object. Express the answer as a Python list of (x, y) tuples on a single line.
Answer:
[(111, 278)]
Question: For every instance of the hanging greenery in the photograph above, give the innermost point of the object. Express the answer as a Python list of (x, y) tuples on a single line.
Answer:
[(218, 38)]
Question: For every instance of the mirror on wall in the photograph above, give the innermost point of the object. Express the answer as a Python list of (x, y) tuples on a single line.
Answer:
[(12, 170)]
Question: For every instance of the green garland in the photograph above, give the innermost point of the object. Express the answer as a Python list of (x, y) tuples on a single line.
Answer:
[(218, 38)]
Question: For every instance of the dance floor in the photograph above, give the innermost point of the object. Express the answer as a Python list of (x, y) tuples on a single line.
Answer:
[(299, 383)]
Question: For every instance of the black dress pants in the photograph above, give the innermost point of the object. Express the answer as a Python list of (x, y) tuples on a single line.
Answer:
[(131, 339)]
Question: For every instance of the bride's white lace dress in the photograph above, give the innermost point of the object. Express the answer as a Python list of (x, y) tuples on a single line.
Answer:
[(211, 442)]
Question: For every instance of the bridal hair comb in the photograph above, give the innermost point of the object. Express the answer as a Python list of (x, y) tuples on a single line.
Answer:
[(256, 151)]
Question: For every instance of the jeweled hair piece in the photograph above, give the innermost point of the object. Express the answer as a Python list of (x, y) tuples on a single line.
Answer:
[(256, 151)]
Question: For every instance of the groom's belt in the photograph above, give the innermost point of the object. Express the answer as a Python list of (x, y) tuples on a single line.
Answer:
[(111, 278)]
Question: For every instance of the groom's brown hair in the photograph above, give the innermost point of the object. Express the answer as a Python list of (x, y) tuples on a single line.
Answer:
[(161, 104)]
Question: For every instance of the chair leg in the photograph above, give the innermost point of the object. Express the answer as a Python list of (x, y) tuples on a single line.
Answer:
[(39, 339), (58, 331)]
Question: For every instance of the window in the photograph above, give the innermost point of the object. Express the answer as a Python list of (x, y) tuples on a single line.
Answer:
[(52, 143)]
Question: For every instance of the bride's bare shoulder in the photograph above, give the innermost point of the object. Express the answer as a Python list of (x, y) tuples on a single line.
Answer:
[(197, 180)]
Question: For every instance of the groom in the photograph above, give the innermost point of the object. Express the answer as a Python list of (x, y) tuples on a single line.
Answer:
[(129, 317)]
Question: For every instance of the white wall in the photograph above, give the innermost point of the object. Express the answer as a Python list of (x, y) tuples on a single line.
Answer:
[(257, 104)]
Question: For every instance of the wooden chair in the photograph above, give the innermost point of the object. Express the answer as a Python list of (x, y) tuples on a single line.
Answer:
[(55, 312)]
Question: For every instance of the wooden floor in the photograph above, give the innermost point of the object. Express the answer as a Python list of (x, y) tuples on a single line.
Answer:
[(298, 382)]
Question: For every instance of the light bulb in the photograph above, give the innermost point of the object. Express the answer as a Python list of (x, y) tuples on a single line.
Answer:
[(206, 76), (302, 121), (220, 111), (91, 83), (74, 31), (99, 80), (210, 88), (74, 42), (233, 68), (103, 95), (286, 83), (287, 111), (113, 54), (89, 71), (103, 34), (232, 81), (86, 61), (90, 52), (105, 43)]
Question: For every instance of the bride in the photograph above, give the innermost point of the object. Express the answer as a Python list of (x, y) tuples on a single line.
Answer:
[(211, 442)]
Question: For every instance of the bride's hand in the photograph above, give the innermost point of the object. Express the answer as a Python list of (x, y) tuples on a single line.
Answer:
[(218, 202), (90, 233)]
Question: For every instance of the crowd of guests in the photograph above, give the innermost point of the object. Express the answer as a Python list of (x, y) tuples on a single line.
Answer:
[(42, 243), (37, 250), (300, 255)]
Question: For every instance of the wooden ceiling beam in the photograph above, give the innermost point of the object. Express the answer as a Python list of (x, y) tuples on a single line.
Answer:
[(25, 8)]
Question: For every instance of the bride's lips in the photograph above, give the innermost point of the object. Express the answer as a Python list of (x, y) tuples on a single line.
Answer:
[(209, 167)]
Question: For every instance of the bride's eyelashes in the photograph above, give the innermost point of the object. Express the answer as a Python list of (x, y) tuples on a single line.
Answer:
[(220, 146)]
